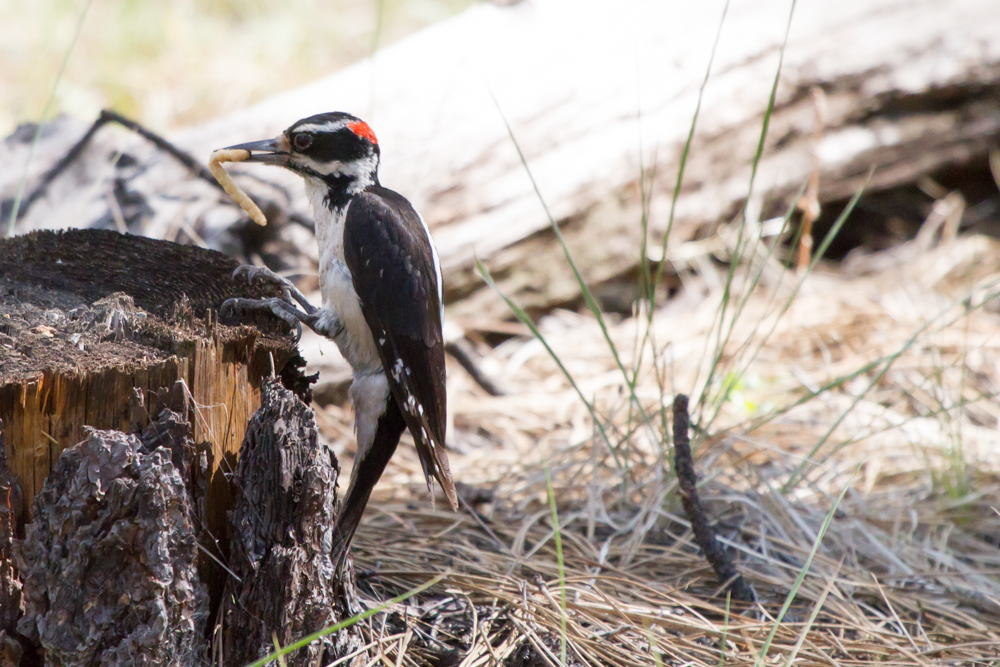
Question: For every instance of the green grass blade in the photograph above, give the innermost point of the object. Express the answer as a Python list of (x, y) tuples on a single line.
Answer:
[(683, 161), (721, 316), (527, 321), (745, 362), (802, 574), (654, 647), (588, 296), (720, 398), (277, 650), (843, 379), (651, 282), (346, 623), (379, 24), (559, 563), (813, 614), (887, 363), (725, 629)]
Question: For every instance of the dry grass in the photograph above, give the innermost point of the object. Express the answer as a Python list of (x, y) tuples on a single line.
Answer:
[(906, 574)]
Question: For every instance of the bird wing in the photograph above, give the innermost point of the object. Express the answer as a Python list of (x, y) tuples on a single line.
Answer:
[(393, 265)]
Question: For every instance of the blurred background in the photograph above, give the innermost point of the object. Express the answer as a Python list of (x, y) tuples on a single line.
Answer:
[(169, 64)]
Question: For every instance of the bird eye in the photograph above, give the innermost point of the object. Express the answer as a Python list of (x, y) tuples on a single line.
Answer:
[(302, 141)]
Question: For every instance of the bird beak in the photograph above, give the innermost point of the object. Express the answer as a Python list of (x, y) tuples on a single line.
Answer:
[(269, 151)]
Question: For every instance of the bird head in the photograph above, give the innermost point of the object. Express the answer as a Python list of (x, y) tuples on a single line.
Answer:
[(336, 148)]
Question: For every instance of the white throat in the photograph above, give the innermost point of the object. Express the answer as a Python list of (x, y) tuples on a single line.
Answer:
[(329, 222), (336, 285)]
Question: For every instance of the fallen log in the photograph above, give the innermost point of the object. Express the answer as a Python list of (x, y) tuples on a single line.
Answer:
[(593, 93)]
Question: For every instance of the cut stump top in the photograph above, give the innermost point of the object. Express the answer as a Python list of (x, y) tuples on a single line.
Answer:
[(100, 329)]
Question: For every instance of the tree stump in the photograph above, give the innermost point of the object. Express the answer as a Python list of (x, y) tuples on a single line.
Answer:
[(125, 404), (11, 505), (103, 330)]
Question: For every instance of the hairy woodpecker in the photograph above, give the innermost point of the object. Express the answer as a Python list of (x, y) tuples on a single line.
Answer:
[(382, 299)]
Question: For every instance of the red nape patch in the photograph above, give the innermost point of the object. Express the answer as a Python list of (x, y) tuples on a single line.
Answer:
[(360, 128)]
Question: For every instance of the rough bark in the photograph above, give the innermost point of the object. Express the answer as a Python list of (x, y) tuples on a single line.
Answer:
[(903, 101), (111, 566), (109, 561), (283, 523)]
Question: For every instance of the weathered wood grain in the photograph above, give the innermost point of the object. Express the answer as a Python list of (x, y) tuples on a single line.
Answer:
[(11, 506)]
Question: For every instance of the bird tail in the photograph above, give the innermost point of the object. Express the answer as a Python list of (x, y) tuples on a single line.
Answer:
[(434, 461)]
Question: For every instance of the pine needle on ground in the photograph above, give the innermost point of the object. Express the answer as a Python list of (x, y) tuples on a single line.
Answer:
[(904, 359)]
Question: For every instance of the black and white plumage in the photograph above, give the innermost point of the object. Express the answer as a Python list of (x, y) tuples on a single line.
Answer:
[(380, 279)]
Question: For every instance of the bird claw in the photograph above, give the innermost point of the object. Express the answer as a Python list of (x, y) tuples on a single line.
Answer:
[(280, 308), (265, 276), (260, 274), (229, 308)]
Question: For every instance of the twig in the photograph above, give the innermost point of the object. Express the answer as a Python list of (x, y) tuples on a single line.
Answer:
[(809, 203), (704, 536), (108, 116), (469, 360)]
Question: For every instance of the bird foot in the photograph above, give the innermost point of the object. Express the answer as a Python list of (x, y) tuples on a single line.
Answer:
[(278, 307), (320, 320), (265, 276), (261, 274)]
